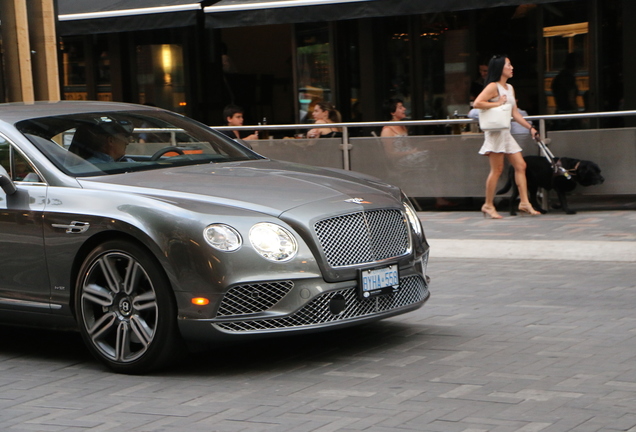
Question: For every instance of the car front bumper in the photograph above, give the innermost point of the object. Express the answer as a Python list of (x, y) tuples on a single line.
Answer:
[(310, 306)]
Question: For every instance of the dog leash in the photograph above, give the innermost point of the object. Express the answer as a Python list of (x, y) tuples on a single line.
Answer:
[(557, 169)]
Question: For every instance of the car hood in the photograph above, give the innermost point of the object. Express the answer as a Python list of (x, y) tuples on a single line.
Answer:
[(267, 186)]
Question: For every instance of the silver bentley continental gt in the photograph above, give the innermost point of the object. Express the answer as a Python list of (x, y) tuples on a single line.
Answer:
[(151, 233)]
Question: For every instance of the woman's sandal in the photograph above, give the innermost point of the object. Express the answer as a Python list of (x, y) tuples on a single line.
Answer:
[(527, 208), (490, 211)]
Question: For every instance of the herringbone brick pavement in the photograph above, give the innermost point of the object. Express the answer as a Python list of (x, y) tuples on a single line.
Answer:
[(503, 345)]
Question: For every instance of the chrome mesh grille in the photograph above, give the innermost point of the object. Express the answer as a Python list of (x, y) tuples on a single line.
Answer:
[(318, 310), (363, 237), (252, 298)]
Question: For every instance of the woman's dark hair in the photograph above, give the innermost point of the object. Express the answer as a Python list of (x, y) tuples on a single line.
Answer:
[(334, 114), (495, 68), (389, 107)]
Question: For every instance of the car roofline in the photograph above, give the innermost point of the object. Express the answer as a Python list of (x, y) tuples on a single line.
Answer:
[(17, 111)]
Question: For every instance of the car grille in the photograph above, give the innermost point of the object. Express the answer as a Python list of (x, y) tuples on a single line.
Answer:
[(319, 310), (363, 237), (252, 298)]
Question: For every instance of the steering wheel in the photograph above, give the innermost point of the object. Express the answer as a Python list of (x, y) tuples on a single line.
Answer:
[(165, 150)]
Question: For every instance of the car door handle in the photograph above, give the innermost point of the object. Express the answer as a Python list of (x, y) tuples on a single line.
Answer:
[(75, 227)]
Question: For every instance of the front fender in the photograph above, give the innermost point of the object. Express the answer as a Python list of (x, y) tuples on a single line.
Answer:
[(172, 233)]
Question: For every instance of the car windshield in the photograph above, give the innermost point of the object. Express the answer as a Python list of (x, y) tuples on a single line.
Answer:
[(89, 144)]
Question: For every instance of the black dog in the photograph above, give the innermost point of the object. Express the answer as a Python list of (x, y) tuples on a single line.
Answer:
[(540, 174)]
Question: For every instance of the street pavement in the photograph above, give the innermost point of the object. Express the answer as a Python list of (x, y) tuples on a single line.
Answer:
[(530, 327), (591, 235)]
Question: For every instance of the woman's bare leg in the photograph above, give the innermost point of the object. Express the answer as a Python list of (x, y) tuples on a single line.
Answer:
[(496, 161), (519, 165), (517, 162)]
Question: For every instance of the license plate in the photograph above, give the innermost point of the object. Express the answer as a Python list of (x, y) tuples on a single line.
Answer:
[(379, 281)]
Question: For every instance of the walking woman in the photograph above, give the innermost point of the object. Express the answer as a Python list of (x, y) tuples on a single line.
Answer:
[(498, 144)]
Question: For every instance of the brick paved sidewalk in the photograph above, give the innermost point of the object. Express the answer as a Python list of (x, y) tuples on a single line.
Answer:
[(591, 236), (504, 345)]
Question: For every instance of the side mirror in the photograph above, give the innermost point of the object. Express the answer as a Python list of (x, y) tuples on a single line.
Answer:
[(7, 185)]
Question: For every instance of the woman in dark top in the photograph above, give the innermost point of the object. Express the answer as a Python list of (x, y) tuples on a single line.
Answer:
[(324, 112)]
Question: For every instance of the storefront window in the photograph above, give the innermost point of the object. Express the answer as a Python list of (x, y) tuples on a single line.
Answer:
[(160, 76), (74, 69), (399, 60), (431, 42), (103, 75), (314, 68), (567, 78), (445, 70), (427, 65), (86, 69), (566, 55)]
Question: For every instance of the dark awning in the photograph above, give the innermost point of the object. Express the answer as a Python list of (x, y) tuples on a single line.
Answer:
[(108, 16), (239, 13)]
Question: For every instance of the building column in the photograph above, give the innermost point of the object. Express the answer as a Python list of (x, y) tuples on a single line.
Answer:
[(17, 50), (30, 50), (42, 35), (629, 61)]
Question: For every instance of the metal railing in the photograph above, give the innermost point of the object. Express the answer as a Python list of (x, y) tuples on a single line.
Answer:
[(452, 163), (346, 145)]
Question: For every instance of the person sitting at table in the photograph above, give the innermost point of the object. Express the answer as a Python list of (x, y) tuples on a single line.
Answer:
[(397, 146), (233, 116), (324, 112), (395, 110)]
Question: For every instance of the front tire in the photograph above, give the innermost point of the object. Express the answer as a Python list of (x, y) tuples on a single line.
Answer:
[(125, 308)]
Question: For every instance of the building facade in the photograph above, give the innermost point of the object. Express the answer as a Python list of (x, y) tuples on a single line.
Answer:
[(275, 58)]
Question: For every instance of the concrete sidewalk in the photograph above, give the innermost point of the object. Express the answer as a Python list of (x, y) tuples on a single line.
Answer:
[(586, 236)]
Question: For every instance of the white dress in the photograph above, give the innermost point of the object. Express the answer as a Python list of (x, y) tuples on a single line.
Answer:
[(501, 141)]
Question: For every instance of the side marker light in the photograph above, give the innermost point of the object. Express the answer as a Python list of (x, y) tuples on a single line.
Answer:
[(200, 301)]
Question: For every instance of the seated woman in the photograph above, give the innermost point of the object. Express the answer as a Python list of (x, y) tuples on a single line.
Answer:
[(395, 111), (396, 145), (324, 112)]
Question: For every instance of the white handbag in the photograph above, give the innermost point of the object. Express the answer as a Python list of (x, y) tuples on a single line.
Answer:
[(497, 118)]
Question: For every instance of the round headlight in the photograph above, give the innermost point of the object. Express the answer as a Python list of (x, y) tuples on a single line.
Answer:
[(222, 237), (273, 242), (411, 215)]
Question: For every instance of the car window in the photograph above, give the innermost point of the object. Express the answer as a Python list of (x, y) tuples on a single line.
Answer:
[(88, 144), (15, 164)]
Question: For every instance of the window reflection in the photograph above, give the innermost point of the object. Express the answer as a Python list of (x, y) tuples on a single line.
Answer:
[(80, 61), (313, 58), (160, 76), (561, 42), (74, 69)]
